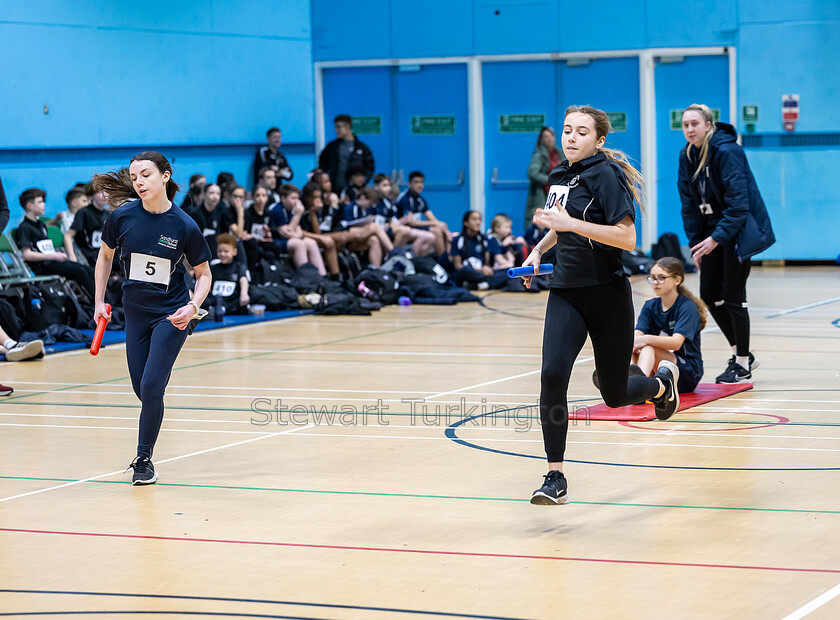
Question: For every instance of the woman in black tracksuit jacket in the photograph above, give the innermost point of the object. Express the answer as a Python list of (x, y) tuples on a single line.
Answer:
[(727, 223), (590, 214)]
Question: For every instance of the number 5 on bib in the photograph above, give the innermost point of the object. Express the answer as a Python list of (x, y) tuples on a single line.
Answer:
[(558, 196), (147, 268)]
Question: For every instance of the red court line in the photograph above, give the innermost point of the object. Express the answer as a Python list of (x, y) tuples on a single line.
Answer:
[(420, 551)]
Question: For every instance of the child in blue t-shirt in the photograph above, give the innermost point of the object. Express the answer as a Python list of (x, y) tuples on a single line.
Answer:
[(669, 326)]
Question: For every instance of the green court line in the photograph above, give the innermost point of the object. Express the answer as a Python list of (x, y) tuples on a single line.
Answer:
[(424, 496), (249, 356)]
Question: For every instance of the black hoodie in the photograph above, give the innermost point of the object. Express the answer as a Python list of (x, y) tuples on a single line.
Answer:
[(738, 216)]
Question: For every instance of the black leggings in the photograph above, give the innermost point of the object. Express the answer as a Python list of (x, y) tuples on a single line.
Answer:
[(723, 286), (151, 346), (605, 312)]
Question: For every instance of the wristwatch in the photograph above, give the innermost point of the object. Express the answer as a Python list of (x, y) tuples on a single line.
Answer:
[(195, 305)]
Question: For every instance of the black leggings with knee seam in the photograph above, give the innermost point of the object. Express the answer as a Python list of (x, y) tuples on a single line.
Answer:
[(723, 286), (152, 344), (605, 312)]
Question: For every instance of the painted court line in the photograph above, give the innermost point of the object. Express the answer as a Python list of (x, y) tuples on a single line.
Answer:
[(465, 554), (805, 307), (815, 604), (120, 471)]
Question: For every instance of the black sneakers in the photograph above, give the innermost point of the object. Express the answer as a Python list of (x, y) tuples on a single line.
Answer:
[(735, 373), (635, 371), (144, 471), (667, 405), (553, 490)]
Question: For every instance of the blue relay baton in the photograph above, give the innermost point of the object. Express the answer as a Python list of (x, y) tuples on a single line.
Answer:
[(524, 272)]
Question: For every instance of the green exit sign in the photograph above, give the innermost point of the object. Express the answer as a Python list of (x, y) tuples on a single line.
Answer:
[(618, 120), (367, 125), (676, 117), (433, 125), (749, 113), (521, 123)]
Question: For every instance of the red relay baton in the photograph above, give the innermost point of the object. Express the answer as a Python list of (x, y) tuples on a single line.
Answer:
[(100, 331)]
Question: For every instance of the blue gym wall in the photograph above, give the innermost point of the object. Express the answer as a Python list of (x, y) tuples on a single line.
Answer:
[(199, 81), (782, 47)]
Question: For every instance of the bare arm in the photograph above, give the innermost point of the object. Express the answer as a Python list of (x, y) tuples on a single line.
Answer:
[(621, 235), (68, 244)]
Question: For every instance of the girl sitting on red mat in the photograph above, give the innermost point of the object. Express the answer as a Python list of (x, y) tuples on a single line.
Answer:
[(669, 327)]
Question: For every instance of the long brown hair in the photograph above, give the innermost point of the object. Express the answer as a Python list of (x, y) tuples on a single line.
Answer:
[(709, 117), (635, 181), (118, 184), (674, 267)]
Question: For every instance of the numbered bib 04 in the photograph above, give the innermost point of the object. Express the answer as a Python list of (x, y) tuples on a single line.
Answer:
[(557, 197), (45, 246), (96, 239), (147, 268), (223, 288), (258, 231)]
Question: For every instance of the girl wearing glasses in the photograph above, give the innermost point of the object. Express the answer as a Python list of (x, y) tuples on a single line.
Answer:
[(669, 325), (590, 214), (726, 223)]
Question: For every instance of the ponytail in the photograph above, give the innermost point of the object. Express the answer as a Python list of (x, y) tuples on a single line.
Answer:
[(701, 305), (118, 184), (633, 178), (709, 117)]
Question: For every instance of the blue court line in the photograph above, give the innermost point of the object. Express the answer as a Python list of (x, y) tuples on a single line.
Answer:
[(117, 336), (817, 304), (451, 434), (252, 600)]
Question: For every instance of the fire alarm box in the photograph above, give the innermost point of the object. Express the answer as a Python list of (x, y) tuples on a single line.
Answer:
[(790, 111)]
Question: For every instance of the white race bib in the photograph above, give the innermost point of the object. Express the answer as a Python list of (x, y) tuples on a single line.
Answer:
[(147, 268), (257, 231), (381, 220), (475, 263), (558, 196), (208, 232), (96, 239), (45, 246), (224, 288)]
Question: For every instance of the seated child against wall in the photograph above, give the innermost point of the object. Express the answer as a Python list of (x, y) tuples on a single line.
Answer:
[(412, 208), (287, 232), (471, 258), (506, 250), (386, 214)]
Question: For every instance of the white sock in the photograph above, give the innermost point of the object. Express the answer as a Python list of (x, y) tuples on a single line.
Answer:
[(744, 362), (734, 350), (10, 344)]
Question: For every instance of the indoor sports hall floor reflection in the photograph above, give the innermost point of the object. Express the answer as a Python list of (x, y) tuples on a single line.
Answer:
[(355, 467)]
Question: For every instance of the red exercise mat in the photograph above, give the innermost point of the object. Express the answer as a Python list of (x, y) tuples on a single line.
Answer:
[(705, 393)]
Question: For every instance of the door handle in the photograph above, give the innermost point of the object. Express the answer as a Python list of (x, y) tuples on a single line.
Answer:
[(458, 183), (495, 180)]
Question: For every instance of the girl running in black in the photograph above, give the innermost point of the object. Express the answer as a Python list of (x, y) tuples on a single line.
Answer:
[(151, 238), (590, 213)]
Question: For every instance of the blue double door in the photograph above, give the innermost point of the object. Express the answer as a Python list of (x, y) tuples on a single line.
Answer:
[(519, 95), (413, 117)]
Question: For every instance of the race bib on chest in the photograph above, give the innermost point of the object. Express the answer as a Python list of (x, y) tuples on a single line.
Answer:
[(147, 268), (223, 288), (96, 239), (558, 196), (45, 246), (208, 232), (381, 220), (475, 263), (257, 231)]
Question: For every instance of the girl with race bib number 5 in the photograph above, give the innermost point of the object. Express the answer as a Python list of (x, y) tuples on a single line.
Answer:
[(590, 216), (151, 237)]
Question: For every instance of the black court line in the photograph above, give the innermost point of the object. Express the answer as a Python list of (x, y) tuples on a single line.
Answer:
[(393, 610), (451, 434)]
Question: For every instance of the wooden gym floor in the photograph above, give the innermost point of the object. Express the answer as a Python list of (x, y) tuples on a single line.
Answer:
[(375, 506)]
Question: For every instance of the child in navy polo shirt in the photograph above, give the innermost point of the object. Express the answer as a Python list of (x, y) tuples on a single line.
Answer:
[(386, 214), (37, 247), (355, 182), (413, 207), (285, 223), (669, 325), (506, 250), (152, 238), (471, 257)]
